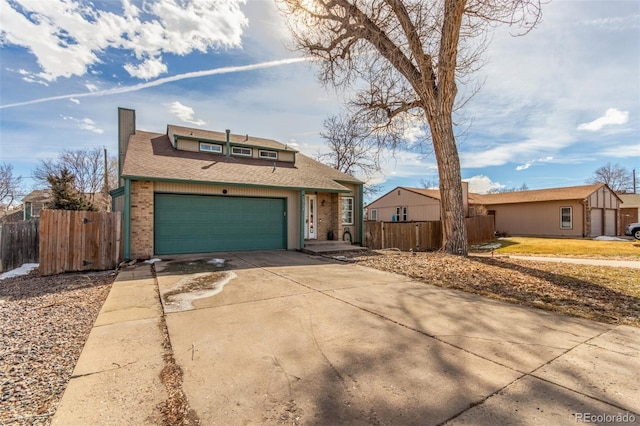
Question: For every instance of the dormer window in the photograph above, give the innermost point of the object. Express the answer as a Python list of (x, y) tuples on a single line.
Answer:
[(271, 155), (211, 147), (238, 150)]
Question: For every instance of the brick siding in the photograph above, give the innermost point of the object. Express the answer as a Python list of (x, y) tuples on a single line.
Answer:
[(141, 219)]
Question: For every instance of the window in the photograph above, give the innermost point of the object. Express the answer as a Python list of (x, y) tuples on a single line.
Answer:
[(211, 147), (271, 155), (373, 214), (401, 214), (36, 208), (238, 150), (347, 210), (566, 221)]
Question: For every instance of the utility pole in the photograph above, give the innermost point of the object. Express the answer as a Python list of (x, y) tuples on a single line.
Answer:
[(106, 181)]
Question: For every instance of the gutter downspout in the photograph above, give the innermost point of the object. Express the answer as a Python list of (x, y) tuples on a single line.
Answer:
[(126, 218), (302, 219), (361, 213), (228, 143)]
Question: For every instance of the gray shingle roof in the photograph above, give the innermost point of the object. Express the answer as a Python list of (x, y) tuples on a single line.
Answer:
[(152, 156)]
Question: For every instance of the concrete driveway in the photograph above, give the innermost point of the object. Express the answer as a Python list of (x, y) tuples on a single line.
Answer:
[(287, 338)]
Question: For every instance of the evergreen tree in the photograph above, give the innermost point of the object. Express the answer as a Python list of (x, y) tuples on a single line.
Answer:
[(65, 196)]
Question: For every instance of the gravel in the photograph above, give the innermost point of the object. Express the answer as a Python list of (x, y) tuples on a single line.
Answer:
[(45, 322)]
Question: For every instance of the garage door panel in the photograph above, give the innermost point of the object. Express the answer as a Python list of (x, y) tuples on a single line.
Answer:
[(195, 223)]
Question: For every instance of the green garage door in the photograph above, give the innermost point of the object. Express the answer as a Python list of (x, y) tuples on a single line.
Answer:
[(204, 223)]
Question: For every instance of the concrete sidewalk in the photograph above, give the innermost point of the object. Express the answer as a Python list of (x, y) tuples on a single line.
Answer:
[(580, 261), (287, 338)]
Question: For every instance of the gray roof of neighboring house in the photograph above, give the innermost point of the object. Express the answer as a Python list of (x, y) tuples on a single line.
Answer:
[(152, 156), (38, 196), (630, 200), (536, 195)]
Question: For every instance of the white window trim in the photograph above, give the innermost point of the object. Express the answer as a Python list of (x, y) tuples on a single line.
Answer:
[(373, 214), (401, 213), (240, 153), (270, 155), (352, 210), (562, 226), (210, 147)]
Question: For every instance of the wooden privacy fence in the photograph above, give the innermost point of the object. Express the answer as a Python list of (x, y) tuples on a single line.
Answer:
[(18, 244), (79, 241), (423, 235)]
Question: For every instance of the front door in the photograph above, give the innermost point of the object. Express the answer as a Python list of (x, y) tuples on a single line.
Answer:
[(310, 214)]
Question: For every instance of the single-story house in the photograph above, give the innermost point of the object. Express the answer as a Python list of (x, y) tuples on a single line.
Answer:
[(577, 211), (193, 191), (629, 210), (404, 204)]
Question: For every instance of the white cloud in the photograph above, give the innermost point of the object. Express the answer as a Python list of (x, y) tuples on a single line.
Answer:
[(615, 23), (525, 166), (74, 100), (91, 87), (530, 163), (481, 184), (629, 151), (185, 114), (67, 36), (148, 69), (611, 116), (84, 124)]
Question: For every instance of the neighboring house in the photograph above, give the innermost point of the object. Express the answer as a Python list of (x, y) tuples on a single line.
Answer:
[(629, 210), (578, 211), (194, 191), (34, 202), (13, 215), (403, 204)]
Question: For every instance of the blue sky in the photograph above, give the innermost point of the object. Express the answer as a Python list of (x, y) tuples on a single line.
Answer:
[(555, 105)]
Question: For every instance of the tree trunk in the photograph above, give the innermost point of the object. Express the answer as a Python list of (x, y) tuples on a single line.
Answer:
[(454, 228)]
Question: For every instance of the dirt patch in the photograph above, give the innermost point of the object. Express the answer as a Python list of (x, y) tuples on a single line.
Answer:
[(194, 266), (45, 322), (175, 409)]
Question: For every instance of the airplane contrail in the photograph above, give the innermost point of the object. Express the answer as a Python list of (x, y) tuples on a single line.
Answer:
[(161, 81)]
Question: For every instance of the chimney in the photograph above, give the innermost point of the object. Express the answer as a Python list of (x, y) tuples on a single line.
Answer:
[(126, 128)]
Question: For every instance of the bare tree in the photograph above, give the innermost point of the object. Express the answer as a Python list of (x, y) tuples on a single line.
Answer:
[(615, 176), (351, 149), (88, 167), (410, 55), (9, 186)]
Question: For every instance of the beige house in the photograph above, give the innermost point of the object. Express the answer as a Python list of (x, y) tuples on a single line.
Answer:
[(194, 191), (404, 204), (629, 210), (578, 211)]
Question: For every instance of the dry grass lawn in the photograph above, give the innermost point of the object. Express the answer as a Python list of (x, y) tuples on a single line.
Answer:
[(629, 250)]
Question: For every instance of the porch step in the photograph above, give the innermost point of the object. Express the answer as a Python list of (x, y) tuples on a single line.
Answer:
[(324, 247)]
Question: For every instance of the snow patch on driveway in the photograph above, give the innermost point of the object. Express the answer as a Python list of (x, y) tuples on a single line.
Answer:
[(196, 286)]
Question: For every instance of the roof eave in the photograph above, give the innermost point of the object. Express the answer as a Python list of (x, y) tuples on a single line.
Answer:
[(253, 185)]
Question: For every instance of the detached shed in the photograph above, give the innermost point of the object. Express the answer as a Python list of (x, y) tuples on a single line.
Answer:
[(577, 211)]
